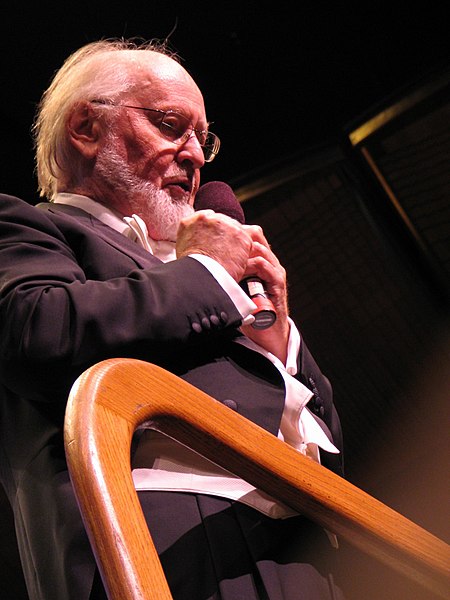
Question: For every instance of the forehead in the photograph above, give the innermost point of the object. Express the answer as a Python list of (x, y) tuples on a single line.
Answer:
[(164, 81)]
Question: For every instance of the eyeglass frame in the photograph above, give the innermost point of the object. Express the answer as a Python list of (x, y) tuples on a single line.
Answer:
[(210, 150)]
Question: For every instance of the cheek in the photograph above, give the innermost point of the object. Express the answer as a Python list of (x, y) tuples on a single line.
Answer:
[(138, 148), (143, 146), (149, 161)]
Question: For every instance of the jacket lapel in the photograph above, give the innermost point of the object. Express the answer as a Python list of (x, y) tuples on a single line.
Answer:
[(135, 251)]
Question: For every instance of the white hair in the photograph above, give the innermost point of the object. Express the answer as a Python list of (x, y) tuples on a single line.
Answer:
[(106, 69)]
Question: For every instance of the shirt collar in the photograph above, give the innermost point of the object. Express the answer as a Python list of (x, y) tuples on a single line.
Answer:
[(132, 227), (99, 211)]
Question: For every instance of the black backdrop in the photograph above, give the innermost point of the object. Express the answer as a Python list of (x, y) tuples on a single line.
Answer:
[(277, 77)]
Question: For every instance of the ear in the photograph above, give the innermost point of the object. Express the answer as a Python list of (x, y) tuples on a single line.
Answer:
[(84, 130)]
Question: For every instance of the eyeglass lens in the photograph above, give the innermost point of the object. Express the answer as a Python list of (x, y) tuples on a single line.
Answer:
[(178, 128)]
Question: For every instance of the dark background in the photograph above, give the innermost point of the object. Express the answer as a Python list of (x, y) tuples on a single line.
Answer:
[(284, 83), (277, 76)]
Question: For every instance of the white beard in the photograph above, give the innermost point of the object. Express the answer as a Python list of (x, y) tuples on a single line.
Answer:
[(159, 210), (161, 213)]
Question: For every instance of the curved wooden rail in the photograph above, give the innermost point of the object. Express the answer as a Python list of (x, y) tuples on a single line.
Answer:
[(111, 399)]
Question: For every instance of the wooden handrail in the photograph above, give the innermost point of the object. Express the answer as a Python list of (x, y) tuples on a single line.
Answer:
[(111, 399)]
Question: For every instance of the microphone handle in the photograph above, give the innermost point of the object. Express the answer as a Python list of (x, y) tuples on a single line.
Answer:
[(265, 315)]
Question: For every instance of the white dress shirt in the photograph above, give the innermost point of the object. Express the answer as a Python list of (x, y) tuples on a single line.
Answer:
[(162, 464)]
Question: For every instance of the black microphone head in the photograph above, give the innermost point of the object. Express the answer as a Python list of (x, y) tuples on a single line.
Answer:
[(218, 196)]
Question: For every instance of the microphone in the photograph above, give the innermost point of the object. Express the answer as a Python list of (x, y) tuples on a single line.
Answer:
[(219, 197)]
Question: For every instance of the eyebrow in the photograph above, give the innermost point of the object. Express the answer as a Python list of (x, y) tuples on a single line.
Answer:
[(184, 113)]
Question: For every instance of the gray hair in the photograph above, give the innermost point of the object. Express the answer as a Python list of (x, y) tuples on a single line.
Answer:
[(89, 73)]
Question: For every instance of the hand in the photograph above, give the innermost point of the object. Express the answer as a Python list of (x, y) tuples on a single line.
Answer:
[(263, 263), (218, 236)]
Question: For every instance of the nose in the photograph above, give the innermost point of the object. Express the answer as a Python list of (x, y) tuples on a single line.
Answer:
[(192, 151)]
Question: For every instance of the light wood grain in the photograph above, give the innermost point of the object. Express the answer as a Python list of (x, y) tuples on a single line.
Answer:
[(110, 400)]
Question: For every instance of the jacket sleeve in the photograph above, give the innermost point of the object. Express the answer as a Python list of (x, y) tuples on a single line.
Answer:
[(53, 311)]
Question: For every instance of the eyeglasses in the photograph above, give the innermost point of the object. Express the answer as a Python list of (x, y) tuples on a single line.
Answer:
[(178, 129)]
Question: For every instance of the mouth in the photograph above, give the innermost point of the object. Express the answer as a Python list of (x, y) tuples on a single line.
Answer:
[(178, 186)]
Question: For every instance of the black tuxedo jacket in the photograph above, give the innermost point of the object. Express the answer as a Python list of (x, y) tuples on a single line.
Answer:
[(74, 292)]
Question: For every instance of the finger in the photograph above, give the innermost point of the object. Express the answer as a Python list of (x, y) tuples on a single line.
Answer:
[(256, 233), (273, 274), (198, 214), (265, 252)]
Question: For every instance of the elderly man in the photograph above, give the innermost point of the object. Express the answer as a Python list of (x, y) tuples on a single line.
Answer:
[(118, 264)]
